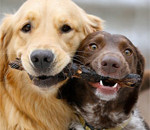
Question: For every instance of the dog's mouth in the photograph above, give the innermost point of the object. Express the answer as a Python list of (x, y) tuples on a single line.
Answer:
[(47, 81), (108, 87)]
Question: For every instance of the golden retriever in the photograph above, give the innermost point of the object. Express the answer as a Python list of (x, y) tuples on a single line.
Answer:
[(44, 34)]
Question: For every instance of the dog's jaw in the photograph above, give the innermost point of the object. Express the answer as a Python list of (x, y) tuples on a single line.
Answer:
[(105, 97)]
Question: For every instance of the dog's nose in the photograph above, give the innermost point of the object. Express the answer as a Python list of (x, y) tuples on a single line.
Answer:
[(110, 64), (42, 59)]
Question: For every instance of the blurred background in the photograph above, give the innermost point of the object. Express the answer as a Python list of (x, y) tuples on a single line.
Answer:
[(128, 17)]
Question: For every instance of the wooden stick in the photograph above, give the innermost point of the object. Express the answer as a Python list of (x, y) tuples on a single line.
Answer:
[(86, 73)]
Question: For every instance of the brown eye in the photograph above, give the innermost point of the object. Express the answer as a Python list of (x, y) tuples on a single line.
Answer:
[(66, 28), (93, 46), (128, 52), (26, 28)]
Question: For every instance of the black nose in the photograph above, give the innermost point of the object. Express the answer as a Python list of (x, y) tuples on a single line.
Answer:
[(110, 64), (42, 59)]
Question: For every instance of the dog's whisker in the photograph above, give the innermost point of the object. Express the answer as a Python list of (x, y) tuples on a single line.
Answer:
[(80, 56), (63, 74), (76, 60), (82, 51)]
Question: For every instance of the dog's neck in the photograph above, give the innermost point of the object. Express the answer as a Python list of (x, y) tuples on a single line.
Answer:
[(89, 127), (99, 115)]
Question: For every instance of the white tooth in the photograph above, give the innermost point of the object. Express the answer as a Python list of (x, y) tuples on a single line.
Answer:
[(101, 83), (115, 85)]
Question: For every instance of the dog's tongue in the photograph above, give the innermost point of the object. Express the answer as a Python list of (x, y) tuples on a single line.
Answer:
[(109, 90)]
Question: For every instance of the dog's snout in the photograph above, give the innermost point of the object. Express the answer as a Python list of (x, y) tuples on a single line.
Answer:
[(110, 64), (42, 59)]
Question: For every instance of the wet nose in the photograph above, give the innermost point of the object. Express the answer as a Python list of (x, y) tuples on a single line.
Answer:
[(42, 59), (110, 64)]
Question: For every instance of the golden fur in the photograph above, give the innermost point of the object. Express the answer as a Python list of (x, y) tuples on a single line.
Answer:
[(24, 106)]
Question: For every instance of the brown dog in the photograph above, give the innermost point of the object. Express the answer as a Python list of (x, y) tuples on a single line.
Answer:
[(44, 34), (106, 104)]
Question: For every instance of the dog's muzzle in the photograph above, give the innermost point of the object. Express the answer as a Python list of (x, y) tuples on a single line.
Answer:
[(42, 61)]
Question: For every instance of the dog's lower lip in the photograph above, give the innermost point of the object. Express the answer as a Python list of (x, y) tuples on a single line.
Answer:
[(47, 81), (43, 77)]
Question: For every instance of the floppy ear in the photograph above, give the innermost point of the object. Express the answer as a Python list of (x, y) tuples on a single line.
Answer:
[(5, 36), (93, 23), (140, 64), (90, 23)]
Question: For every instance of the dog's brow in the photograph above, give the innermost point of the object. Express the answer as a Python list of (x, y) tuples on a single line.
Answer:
[(123, 41), (99, 36), (32, 16)]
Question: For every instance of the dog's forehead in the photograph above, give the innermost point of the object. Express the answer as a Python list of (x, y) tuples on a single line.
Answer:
[(120, 39), (50, 6), (111, 37), (54, 10), (107, 38), (100, 35)]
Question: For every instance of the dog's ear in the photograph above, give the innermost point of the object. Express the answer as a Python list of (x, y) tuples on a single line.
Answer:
[(92, 24), (5, 36), (140, 63)]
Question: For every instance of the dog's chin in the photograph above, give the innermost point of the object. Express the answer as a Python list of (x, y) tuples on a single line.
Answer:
[(44, 81), (106, 90)]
